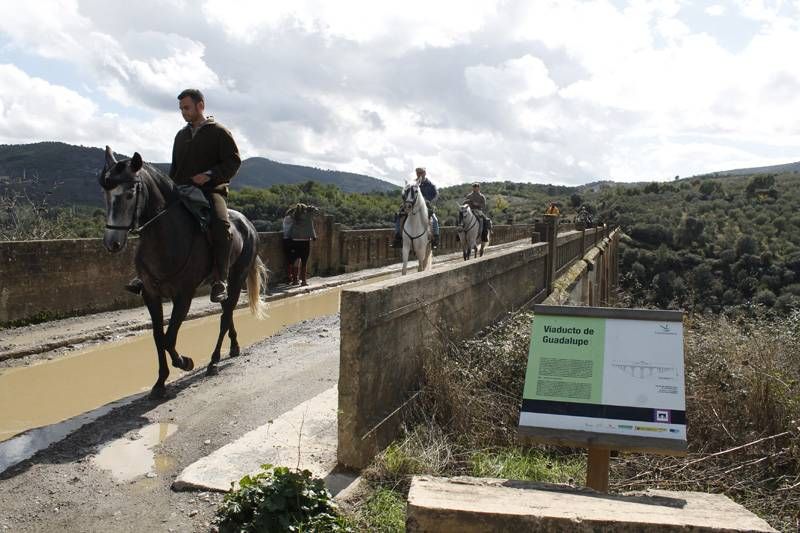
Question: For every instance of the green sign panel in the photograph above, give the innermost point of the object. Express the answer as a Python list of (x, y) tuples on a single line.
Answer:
[(570, 362)]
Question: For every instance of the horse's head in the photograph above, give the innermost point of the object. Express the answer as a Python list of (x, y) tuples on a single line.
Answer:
[(124, 198), (410, 195), (463, 211)]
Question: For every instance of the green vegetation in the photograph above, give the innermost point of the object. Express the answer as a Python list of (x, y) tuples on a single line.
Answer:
[(267, 207), (279, 499), (709, 244), (528, 464), (743, 408), (383, 511)]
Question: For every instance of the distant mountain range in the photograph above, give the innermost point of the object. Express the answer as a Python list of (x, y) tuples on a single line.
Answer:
[(67, 173), (787, 168)]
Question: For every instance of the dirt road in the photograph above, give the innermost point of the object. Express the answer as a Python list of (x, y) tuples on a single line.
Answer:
[(67, 488)]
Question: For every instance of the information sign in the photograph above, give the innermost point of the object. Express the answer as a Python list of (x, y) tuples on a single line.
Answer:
[(606, 377)]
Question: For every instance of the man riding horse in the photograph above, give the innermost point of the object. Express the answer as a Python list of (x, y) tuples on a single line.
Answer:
[(429, 192), (477, 203), (205, 155)]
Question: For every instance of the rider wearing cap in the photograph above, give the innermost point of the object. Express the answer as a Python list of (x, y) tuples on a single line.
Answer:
[(477, 203), (429, 192)]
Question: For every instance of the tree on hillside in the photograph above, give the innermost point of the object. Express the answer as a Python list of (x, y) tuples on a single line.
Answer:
[(760, 184)]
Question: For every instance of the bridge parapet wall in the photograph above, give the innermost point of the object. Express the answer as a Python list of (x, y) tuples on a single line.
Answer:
[(49, 279), (371, 248), (386, 328)]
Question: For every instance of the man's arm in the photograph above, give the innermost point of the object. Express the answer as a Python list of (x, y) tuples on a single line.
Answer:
[(229, 160), (173, 166)]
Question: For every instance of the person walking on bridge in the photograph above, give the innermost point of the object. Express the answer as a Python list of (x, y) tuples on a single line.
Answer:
[(205, 155)]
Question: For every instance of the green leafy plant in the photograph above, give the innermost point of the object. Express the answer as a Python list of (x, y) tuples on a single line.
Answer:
[(279, 499)]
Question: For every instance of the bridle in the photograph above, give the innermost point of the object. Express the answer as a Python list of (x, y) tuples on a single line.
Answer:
[(461, 220), (134, 228), (409, 204), (414, 191)]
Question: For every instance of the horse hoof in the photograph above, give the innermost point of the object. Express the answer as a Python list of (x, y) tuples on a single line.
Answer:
[(235, 351), (158, 392), (212, 370), (188, 364)]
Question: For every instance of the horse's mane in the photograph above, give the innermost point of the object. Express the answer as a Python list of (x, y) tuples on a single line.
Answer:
[(165, 185)]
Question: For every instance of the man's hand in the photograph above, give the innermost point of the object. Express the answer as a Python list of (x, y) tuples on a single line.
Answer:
[(200, 179)]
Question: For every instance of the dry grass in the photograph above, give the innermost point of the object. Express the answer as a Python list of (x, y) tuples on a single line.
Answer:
[(743, 409), (743, 406)]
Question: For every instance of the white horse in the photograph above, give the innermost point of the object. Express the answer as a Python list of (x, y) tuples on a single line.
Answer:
[(416, 228), (469, 231)]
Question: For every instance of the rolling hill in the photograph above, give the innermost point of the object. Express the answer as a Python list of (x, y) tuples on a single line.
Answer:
[(66, 173)]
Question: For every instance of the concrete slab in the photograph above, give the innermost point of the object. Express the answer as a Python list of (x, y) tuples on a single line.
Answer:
[(304, 437), (477, 505)]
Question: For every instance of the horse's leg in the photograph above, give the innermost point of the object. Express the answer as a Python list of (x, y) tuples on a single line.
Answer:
[(226, 326), (406, 250), (153, 304), (180, 308)]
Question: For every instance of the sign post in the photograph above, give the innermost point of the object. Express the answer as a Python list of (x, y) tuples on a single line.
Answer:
[(605, 378)]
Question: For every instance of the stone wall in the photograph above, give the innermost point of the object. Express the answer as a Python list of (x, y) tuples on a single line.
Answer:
[(388, 327), (49, 279), (371, 248)]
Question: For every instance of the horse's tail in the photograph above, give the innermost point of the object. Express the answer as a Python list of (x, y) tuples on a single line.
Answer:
[(256, 278)]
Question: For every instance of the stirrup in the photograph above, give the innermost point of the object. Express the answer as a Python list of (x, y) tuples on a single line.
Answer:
[(219, 292), (135, 286)]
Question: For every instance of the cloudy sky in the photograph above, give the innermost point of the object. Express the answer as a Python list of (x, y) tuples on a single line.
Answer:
[(555, 92)]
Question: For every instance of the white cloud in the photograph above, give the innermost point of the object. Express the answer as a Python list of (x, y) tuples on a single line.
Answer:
[(515, 80), (562, 91), (32, 110)]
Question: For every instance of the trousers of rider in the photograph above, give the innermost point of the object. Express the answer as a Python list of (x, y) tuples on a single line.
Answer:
[(220, 234)]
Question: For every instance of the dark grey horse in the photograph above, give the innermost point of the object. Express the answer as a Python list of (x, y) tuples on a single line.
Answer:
[(174, 255)]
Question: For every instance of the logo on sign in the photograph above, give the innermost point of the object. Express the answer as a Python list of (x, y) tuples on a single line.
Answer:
[(662, 415)]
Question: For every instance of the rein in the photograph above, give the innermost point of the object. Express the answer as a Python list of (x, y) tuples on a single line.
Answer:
[(413, 211), (134, 228), (474, 221)]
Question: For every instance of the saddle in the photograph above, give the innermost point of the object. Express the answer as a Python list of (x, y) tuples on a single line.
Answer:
[(196, 203)]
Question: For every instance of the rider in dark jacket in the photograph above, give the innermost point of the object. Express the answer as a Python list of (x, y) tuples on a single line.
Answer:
[(429, 192)]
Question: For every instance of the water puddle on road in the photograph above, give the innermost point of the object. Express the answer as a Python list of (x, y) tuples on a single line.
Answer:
[(128, 458), (52, 391)]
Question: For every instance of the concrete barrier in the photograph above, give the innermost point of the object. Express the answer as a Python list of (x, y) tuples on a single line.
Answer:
[(386, 328), (50, 279)]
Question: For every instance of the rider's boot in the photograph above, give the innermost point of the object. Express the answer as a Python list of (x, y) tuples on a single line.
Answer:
[(398, 231), (222, 251), (435, 240), (136, 286)]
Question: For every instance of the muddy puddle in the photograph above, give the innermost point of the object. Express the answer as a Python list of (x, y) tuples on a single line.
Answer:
[(133, 456), (61, 389)]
